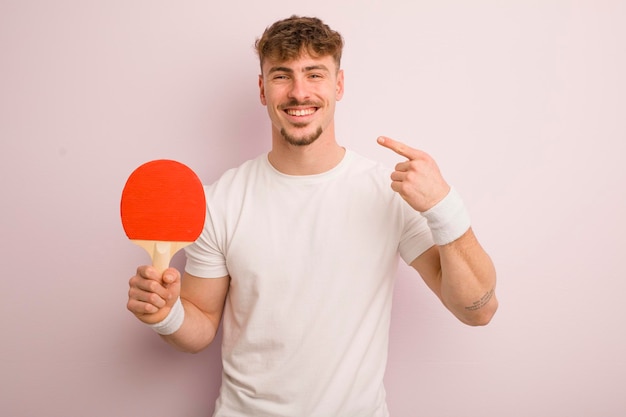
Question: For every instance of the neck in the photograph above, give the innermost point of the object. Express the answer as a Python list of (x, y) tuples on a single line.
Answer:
[(320, 156)]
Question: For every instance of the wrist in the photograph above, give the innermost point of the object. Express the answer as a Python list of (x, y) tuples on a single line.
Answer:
[(449, 219), (172, 322)]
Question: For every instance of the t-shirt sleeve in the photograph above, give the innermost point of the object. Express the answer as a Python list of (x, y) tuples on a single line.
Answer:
[(416, 237), (205, 257)]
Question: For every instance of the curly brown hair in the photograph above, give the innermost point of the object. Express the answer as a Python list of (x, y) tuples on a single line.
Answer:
[(287, 39)]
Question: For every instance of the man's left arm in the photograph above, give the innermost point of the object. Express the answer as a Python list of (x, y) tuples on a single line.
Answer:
[(463, 276), (457, 269)]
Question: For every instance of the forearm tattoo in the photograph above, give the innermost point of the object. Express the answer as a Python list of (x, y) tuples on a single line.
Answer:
[(477, 305)]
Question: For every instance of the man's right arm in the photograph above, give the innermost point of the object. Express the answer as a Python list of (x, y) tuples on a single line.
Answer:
[(203, 300), (151, 298)]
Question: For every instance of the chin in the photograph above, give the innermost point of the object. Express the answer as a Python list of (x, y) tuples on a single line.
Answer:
[(303, 140)]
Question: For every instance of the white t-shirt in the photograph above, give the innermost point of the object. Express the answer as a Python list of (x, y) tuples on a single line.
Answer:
[(312, 262)]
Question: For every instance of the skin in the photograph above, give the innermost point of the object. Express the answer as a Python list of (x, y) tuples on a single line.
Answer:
[(300, 97), (286, 87)]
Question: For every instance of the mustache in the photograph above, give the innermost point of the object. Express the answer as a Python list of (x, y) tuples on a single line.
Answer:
[(296, 103)]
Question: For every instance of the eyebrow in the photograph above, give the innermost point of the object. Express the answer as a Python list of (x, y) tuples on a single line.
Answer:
[(305, 69)]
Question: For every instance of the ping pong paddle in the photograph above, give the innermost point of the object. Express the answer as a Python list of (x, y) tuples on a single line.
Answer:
[(163, 209)]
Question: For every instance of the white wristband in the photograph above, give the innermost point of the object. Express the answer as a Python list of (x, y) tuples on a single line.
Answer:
[(172, 322), (448, 219)]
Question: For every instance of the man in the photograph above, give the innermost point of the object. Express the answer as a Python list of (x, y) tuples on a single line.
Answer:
[(300, 248)]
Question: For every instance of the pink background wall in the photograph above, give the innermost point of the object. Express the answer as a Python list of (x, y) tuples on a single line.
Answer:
[(521, 102)]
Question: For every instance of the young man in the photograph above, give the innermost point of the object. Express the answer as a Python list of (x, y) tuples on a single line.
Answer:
[(300, 248)]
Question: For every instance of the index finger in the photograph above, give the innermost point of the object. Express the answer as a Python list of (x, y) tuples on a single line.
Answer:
[(149, 272), (165, 279), (398, 147), (149, 280)]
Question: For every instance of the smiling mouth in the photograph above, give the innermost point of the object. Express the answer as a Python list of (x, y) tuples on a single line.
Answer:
[(301, 112)]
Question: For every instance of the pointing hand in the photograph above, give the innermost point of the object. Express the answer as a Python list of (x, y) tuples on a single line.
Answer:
[(418, 179)]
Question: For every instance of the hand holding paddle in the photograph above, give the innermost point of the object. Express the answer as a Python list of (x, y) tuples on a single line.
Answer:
[(418, 180), (152, 294), (163, 209)]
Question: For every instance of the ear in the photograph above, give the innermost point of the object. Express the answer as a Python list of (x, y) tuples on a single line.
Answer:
[(262, 90), (340, 85)]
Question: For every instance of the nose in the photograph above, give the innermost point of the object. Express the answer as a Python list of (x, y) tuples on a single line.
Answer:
[(298, 90)]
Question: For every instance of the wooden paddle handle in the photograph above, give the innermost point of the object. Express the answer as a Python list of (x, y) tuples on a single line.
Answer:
[(161, 253)]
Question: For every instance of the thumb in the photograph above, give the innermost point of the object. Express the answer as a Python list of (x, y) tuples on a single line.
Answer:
[(170, 276), (171, 282)]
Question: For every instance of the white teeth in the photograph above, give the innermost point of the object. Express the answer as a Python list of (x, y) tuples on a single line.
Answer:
[(295, 112)]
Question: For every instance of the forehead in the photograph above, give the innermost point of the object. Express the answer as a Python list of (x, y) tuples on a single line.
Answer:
[(302, 63)]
